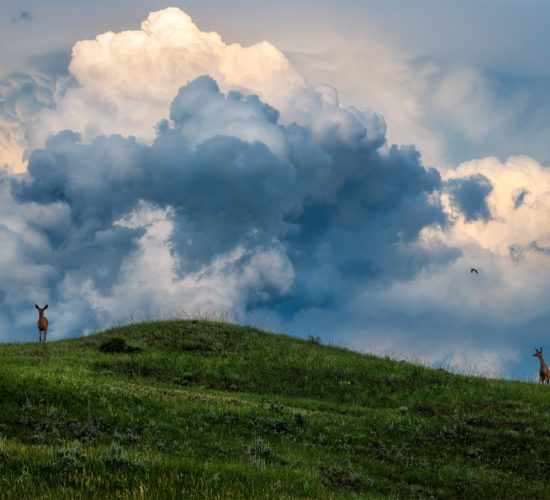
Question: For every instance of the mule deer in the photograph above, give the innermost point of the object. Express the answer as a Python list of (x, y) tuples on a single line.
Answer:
[(544, 372), (42, 321)]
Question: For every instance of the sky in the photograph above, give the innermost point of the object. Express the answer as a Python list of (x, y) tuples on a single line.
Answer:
[(315, 168)]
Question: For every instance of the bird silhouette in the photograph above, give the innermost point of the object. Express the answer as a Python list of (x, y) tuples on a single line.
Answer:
[(473, 270)]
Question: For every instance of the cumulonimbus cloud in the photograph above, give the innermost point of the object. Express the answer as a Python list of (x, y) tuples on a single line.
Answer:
[(173, 172), (244, 196)]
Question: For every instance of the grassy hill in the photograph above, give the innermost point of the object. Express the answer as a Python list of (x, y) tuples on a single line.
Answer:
[(193, 409)]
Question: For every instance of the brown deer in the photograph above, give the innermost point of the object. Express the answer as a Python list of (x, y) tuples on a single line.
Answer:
[(544, 372), (42, 321)]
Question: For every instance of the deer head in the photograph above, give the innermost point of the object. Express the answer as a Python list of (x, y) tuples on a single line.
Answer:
[(41, 309), (538, 353)]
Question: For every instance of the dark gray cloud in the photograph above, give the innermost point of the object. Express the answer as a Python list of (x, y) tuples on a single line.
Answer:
[(520, 198), (346, 213), (469, 195)]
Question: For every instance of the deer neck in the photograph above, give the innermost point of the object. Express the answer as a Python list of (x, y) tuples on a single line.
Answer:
[(542, 363)]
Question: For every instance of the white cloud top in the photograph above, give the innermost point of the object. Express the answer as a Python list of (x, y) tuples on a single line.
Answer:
[(127, 80)]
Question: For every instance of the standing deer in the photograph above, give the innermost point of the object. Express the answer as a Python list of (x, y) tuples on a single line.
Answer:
[(42, 321), (544, 372)]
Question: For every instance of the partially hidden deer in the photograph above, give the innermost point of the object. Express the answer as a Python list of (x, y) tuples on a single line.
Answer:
[(544, 372), (42, 321)]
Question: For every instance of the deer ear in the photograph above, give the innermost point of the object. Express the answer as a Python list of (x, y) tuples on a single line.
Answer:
[(36, 305), (46, 306)]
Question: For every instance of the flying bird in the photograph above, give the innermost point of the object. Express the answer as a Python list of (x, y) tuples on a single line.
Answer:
[(473, 270)]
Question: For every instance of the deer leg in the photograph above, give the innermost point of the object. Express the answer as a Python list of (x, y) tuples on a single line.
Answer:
[(45, 331)]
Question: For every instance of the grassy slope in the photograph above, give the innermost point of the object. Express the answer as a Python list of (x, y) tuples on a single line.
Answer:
[(212, 410)]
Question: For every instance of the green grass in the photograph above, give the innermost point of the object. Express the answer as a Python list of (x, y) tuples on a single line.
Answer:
[(197, 409)]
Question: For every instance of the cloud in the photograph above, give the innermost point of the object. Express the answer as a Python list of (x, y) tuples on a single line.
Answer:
[(22, 98), (239, 208), (469, 195), (23, 16), (126, 81), (511, 223), (452, 107)]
